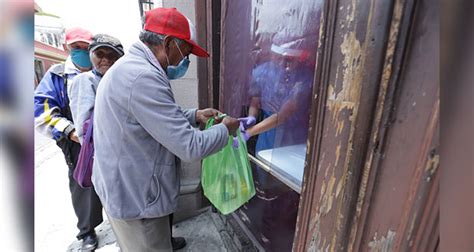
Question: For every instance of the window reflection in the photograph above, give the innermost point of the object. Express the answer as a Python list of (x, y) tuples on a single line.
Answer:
[(268, 69), (280, 94)]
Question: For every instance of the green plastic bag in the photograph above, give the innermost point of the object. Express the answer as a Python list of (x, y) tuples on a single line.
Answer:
[(227, 177)]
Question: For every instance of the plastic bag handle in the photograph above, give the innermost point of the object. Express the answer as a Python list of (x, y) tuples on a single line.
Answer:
[(210, 122)]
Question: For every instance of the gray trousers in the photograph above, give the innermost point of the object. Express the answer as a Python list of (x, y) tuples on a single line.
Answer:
[(144, 235)]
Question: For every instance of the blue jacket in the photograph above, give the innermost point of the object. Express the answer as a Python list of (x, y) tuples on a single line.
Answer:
[(140, 136), (52, 115)]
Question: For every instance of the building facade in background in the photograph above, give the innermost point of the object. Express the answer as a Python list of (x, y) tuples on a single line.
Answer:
[(48, 44)]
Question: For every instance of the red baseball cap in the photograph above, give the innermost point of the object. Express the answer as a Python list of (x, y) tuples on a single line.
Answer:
[(78, 34), (169, 21)]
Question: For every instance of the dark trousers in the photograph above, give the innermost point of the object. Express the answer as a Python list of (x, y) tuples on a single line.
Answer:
[(85, 201), (142, 235), (171, 225)]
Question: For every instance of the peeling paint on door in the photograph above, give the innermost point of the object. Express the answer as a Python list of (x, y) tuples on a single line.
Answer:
[(384, 243)]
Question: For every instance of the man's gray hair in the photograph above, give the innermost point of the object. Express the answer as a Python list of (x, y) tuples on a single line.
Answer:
[(151, 38), (154, 38)]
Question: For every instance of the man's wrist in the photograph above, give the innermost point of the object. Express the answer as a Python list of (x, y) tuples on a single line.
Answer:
[(67, 131), (196, 117)]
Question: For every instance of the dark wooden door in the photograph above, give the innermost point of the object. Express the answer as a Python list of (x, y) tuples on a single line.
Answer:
[(371, 183)]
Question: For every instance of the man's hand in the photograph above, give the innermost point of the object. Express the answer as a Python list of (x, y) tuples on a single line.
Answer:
[(203, 115), (73, 136), (232, 125)]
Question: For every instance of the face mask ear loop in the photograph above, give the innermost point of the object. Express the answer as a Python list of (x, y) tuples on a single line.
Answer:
[(167, 59), (179, 48)]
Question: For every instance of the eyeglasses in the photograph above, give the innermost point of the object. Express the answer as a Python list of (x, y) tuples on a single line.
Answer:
[(180, 52), (112, 56)]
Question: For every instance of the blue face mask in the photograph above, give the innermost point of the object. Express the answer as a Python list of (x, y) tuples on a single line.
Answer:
[(27, 28), (176, 72), (80, 57)]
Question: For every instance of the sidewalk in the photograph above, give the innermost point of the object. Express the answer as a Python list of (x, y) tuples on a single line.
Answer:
[(55, 222), (201, 234)]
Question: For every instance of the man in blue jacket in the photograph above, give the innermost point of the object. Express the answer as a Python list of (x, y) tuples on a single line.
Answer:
[(141, 134), (53, 118)]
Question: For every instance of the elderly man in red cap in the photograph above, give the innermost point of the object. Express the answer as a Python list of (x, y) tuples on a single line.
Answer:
[(141, 134), (53, 118)]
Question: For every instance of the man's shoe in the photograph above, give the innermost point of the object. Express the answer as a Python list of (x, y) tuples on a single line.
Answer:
[(178, 243), (89, 242)]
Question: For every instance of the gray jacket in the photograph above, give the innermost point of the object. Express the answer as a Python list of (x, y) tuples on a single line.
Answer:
[(140, 135), (81, 93)]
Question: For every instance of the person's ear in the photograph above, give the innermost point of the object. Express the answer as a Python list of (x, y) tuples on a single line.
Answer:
[(167, 43)]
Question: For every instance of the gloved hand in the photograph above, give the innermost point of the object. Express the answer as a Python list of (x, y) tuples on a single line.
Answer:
[(243, 133), (248, 121)]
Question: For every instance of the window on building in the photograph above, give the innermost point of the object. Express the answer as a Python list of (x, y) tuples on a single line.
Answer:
[(39, 70), (267, 70), (145, 6), (272, 55)]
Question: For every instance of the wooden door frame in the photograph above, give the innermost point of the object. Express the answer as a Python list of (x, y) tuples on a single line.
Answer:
[(208, 21)]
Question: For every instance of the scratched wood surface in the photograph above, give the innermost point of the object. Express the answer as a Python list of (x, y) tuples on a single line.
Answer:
[(371, 177)]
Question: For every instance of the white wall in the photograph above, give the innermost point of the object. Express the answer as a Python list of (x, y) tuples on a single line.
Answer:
[(185, 89)]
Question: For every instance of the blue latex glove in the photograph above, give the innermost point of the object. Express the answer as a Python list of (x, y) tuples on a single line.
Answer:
[(248, 121), (243, 133)]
